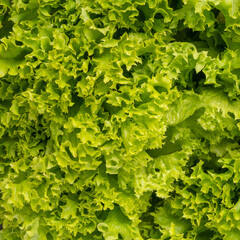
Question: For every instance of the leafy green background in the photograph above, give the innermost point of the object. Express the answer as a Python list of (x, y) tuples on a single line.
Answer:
[(119, 119)]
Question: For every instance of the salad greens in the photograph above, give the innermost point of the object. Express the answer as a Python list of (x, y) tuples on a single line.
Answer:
[(119, 119)]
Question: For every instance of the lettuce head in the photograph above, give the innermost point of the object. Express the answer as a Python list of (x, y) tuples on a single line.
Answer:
[(119, 119)]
